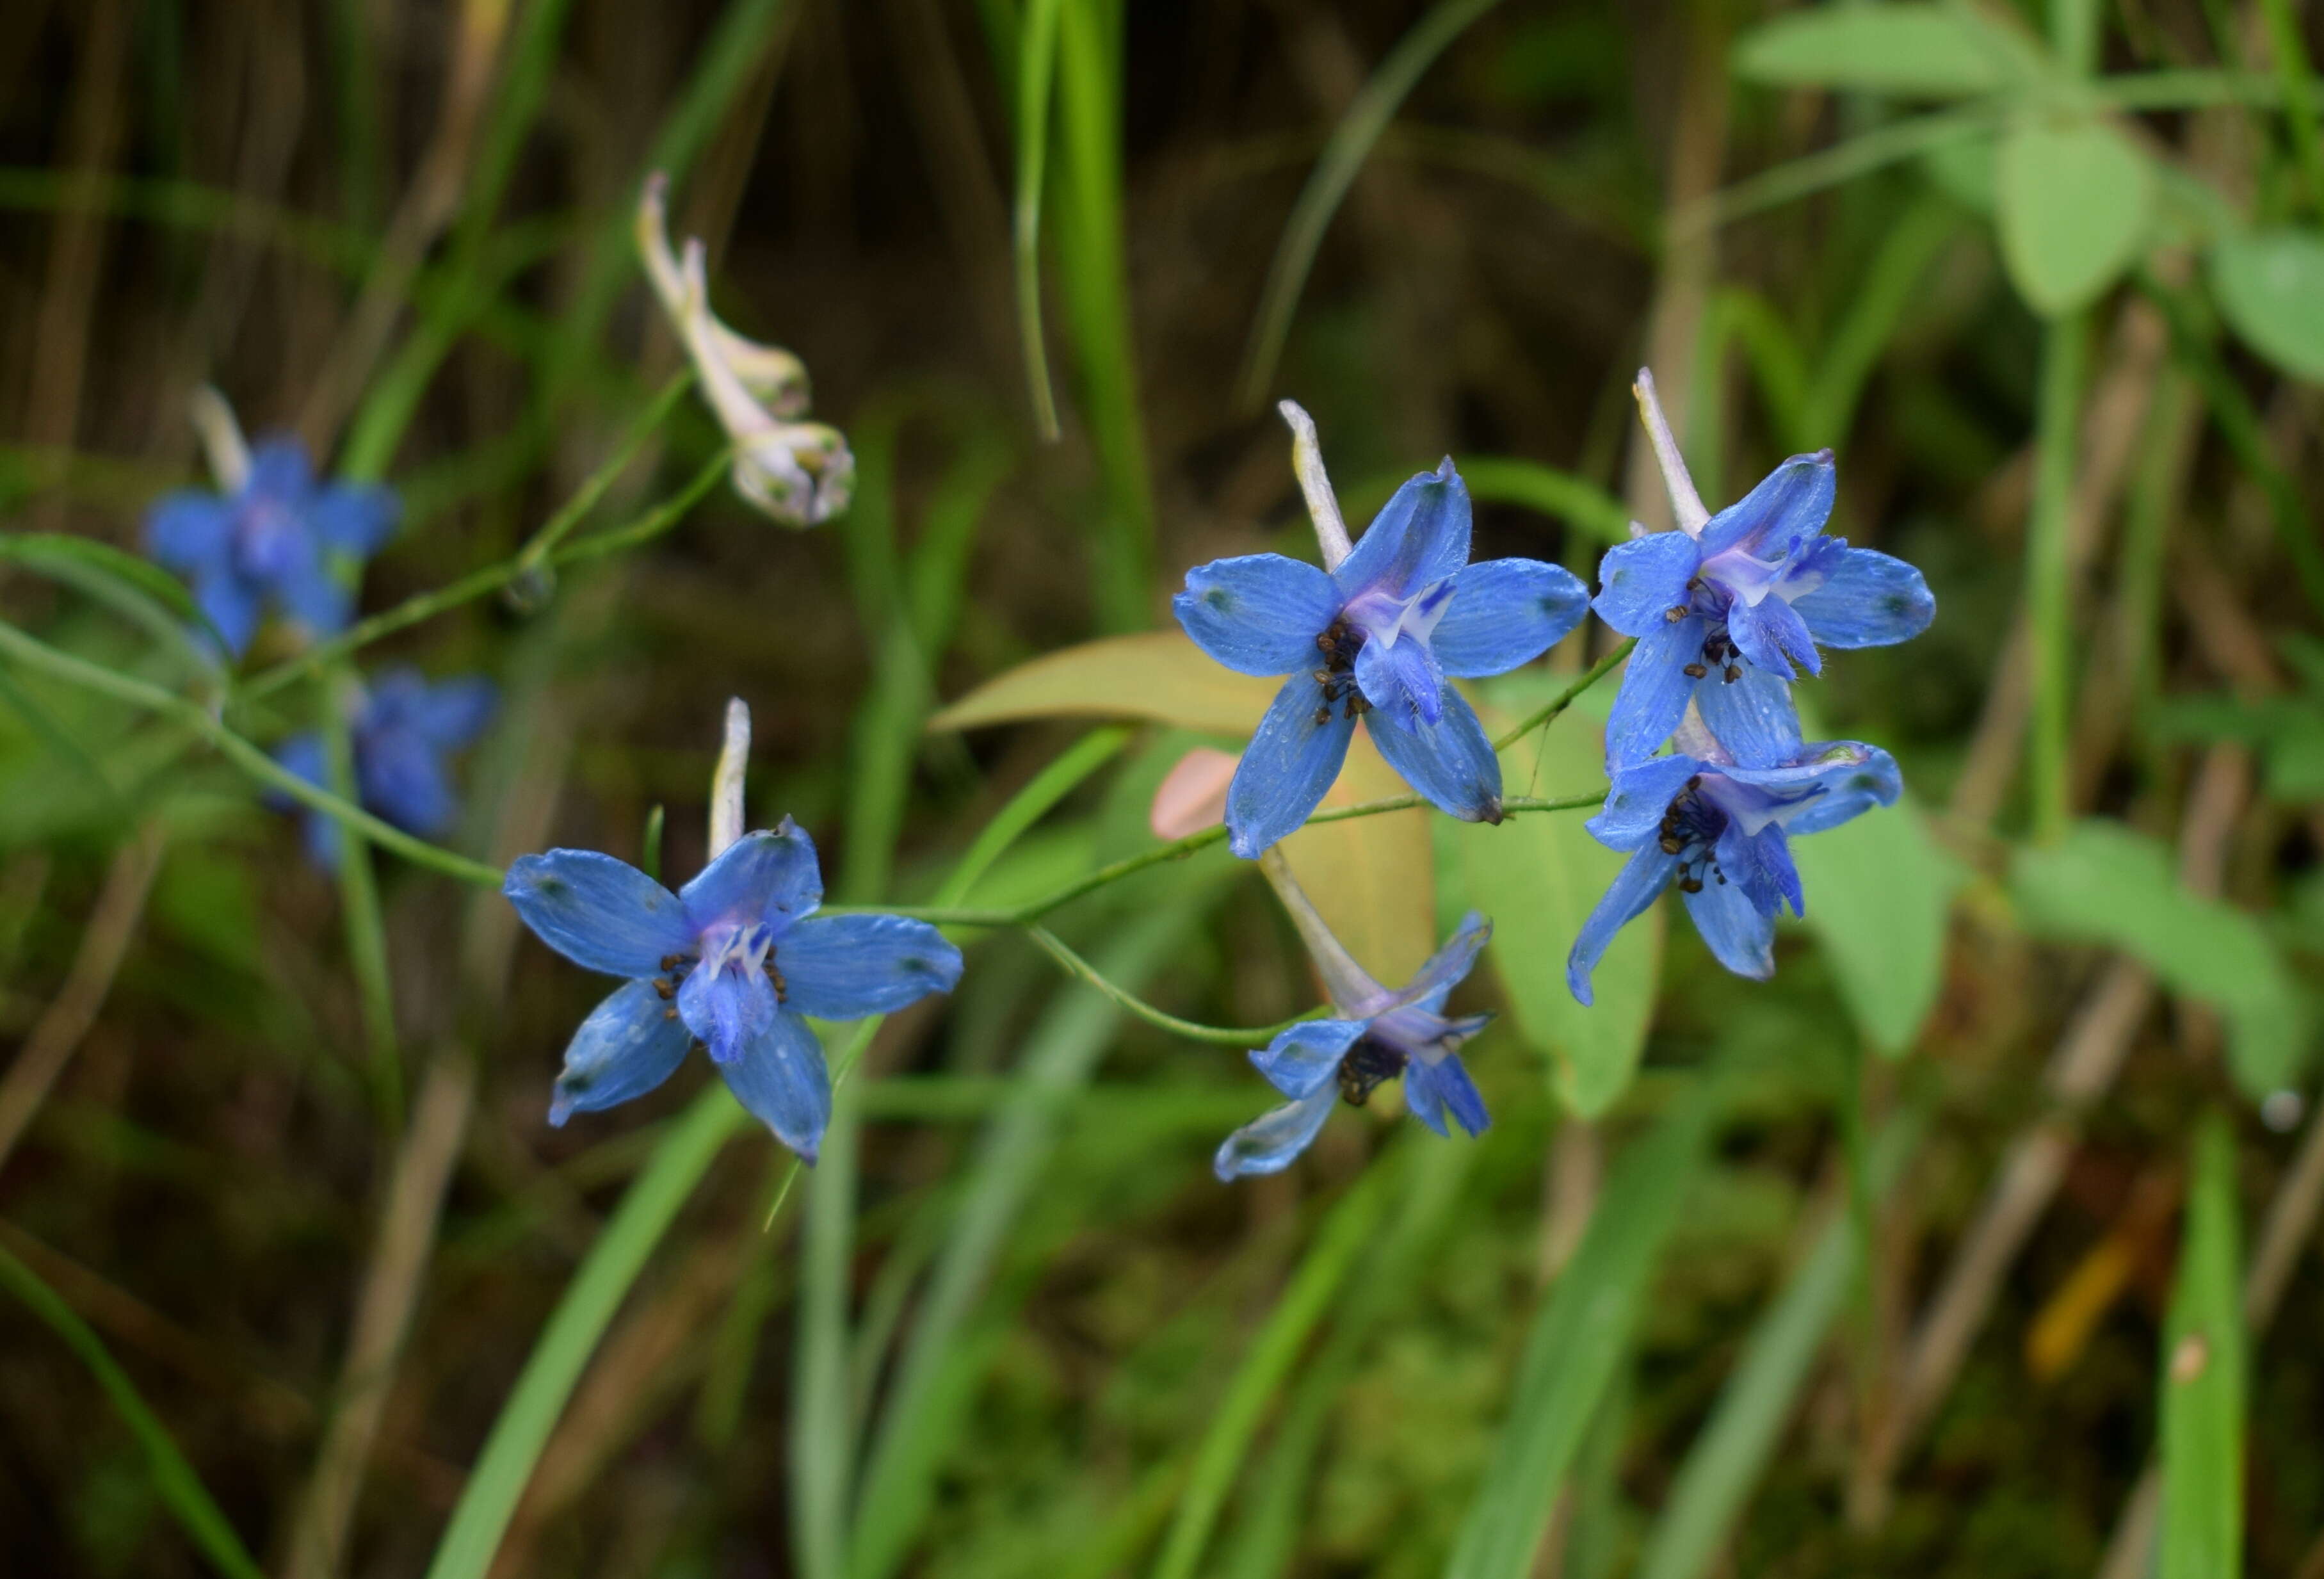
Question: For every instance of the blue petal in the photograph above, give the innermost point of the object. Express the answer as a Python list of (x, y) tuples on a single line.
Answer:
[(1854, 777), (1654, 690), (1505, 613), (845, 967), (1769, 632), (1789, 506), (1269, 1143), (1754, 718), (728, 1007), (1740, 936), (1868, 599), (309, 593), (1451, 762), (355, 518), (1638, 884), (1258, 614), (302, 754), (1287, 768), (280, 471), (231, 604), (1403, 680), (403, 778), (1421, 536), (1448, 966), (1432, 1089), (1640, 794), (1760, 864), (322, 837), (602, 914), (1303, 1058), (1639, 582), (189, 530), (455, 712), (765, 875), (781, 1077), (630, 1044)]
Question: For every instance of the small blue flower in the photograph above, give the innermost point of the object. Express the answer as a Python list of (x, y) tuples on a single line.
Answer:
[(1721, 617), (401, 733), (1384, 1035), (1377, 635), (1721, 832), (737, 958), (270, 542)]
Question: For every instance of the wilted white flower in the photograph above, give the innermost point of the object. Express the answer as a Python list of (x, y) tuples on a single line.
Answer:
[(801, 474)]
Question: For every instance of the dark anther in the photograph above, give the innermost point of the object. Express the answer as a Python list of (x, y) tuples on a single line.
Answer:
[(1671, 845), (1368, 1063), (1696, 671), (1322, 716), (670, 962), (782, 988), (1358, 703), (1734, 672), (1674, 614), (1718, 875), (1689, 885), (670, 1014), (663, 989)]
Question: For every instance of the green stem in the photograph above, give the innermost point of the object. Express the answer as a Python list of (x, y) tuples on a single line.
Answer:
[(38, 654), (2298, 81), (366, 927), (585, 498), (482, 583), (1231, 1036), (2049, 593), (1563, 700)]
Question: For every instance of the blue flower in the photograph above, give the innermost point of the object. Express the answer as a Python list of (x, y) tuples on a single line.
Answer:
[(1722, 616), (401, 731), (737, 958), (268, 543), (1721, 832), (1383, 1035), (1376, 635)]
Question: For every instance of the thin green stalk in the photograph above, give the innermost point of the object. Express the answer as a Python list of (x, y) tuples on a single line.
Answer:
[(1343, 1237), (1367, 116), (563, 1351), (2074, 34), (38, 654), (2298, 80), (181, 1490), (483, 583), (823, 1426), (366, 927), (2049, 591), (1037, 55), (650, 845), (1081, 970), (1840, 163), (1551, 708), (585, 498)]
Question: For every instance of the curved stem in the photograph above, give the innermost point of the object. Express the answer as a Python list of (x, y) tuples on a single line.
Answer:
[(1234, 1036), (1564, 699)]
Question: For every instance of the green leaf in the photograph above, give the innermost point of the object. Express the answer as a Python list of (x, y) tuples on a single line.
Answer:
[(1160, 676), (137, 589), (2072, 201), (1880, 890), (2204, 1375), (1537, 877), (2105, 884), (2271, 289), (1911, 51), (1579, 1340)]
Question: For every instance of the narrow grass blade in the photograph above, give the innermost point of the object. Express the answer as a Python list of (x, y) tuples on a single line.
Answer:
[(558, 1360), (1360, 128), (1036, 56), (1738, 1442), (822, 1426), (174, 1480), (932, 1387), (1579, 1340), (1029, 805), (1218, 1461), (2204, 1377)]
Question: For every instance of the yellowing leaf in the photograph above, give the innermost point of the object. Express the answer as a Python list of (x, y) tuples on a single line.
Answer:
[(1372, 878), (1160, 676)]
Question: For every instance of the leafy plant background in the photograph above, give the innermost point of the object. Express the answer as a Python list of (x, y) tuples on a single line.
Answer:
[(1981, 1241)]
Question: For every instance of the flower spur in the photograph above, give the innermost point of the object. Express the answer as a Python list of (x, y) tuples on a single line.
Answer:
[(1380, 1036), (1373, 634), (1724, 608)]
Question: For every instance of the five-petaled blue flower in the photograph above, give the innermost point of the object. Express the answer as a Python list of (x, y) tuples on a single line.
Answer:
[(1377, 635), (1721, 833), (1383, 1035), (399, 739), (737, 958), (270, 542), (1721, 618)]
